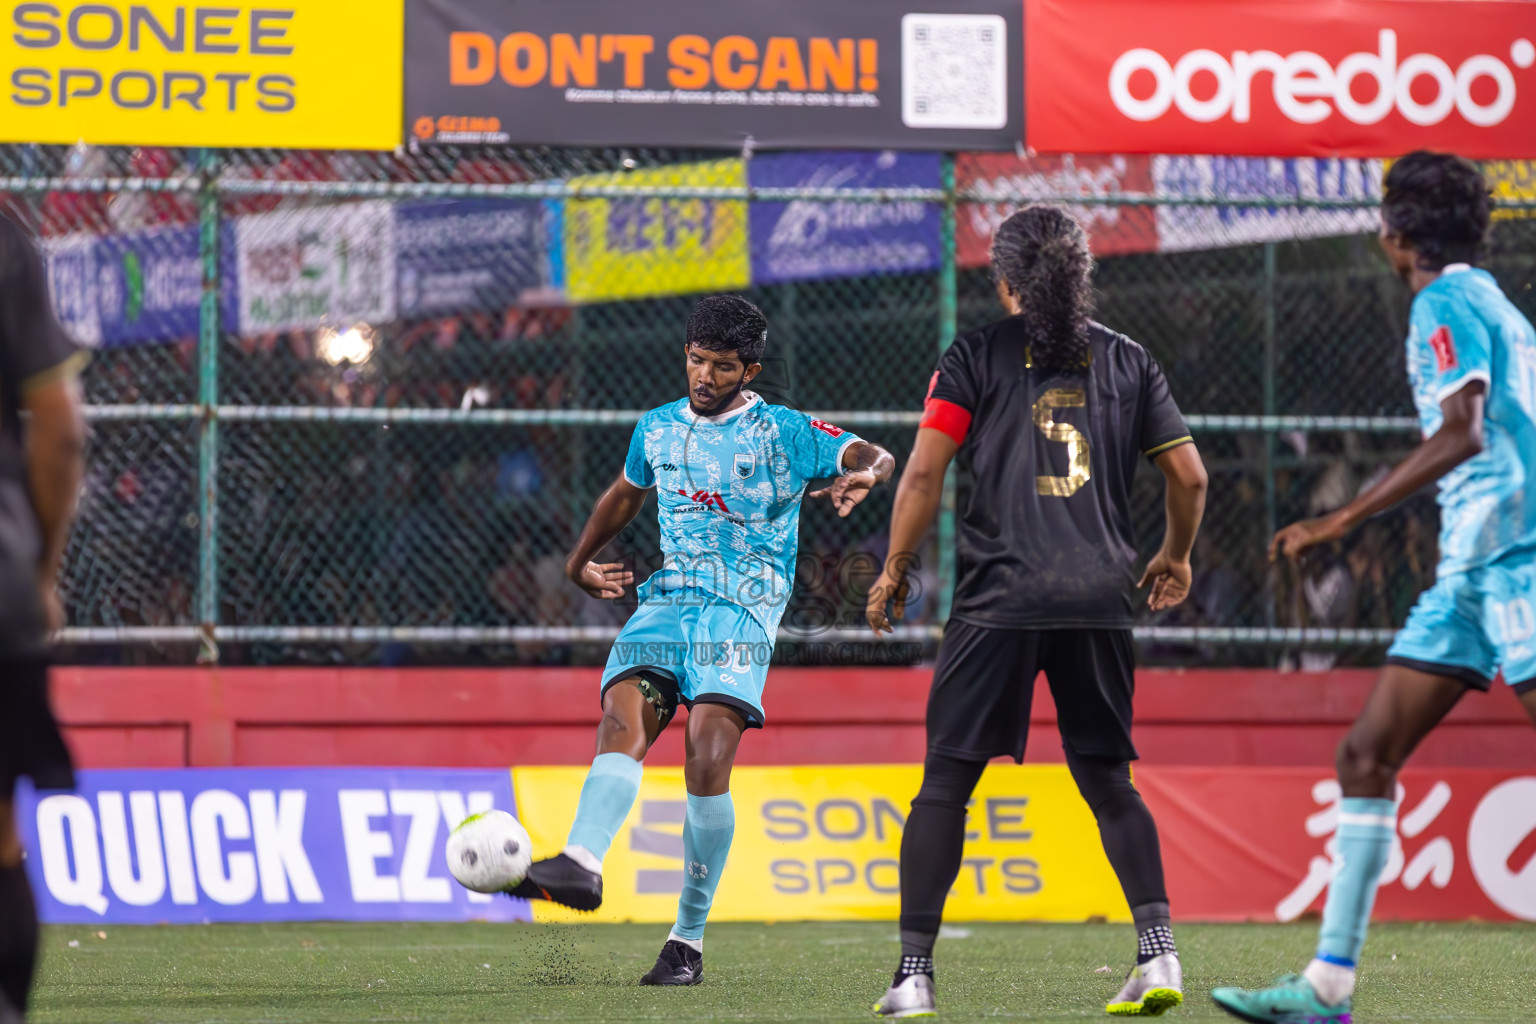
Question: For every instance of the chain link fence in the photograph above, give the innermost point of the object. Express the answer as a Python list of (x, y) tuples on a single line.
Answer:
[(354, 407)]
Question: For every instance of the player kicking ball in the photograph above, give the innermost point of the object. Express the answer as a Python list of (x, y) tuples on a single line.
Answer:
[(729, 471), (1053, 412), (1471, 356)]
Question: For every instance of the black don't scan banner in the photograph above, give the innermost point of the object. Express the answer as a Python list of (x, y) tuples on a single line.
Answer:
[(946, 74)]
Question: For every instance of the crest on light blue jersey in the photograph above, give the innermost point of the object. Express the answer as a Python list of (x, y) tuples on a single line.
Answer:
[(746, 464)]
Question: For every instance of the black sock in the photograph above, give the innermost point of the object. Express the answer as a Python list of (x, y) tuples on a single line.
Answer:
[(931, 847), (18, 936)]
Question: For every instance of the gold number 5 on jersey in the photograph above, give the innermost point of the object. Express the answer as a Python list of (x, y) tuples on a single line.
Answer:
[(1063, 433)]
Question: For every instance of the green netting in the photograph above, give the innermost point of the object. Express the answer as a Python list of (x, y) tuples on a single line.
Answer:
[(293, 493)]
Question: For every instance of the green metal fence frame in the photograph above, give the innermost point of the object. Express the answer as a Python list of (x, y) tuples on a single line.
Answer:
[(211, 188)]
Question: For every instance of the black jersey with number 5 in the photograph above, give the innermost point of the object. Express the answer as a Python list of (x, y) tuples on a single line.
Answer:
[(1045, 540)]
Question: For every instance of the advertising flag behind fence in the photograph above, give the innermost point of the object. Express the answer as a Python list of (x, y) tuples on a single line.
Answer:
[(1112, 230), (133, 288), (804, 239), (312, 74), (244, 844), (461, 254), (1281, 77), (1210, 177), (331, 265), (646, 246), (945, 74)]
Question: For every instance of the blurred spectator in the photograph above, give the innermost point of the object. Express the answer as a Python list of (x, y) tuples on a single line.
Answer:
[(136, 210), (64, 212)]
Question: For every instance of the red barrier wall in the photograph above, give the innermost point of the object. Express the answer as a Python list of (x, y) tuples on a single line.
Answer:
[(159, 717)]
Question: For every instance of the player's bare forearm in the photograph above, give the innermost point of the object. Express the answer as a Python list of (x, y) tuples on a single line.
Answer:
[(1169, 573), (55, 462), (918, 494), (616, 509), (864, 457), (864, 466), (1459, 438), (1185, 500)]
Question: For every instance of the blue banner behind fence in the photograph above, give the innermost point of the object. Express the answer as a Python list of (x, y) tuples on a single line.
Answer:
[(258, 844), (459, 254), (802, 239)]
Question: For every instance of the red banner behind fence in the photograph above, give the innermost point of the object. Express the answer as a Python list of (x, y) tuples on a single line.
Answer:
[(1301, 77)]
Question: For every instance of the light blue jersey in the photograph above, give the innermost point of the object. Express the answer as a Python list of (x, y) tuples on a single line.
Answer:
[(1465, 329), (728, 492), (1480, 616)]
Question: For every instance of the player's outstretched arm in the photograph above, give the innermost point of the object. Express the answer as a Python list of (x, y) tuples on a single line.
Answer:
[(1459, 438), (1169, 571), (864, 466), (616, 509), (917, 502)]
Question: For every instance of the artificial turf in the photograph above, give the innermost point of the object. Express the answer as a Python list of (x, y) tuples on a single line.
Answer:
[(303, 973)]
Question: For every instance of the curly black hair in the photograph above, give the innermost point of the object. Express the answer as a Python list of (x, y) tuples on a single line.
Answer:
[(1441, 206), (723, 323), (1041, 254)]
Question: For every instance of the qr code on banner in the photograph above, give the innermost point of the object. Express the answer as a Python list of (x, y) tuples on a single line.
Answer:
[(954, 71)]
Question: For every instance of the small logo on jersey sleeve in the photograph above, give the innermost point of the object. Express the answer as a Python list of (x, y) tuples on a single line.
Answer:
[(1444, 347), (746, 464), (827, 428)]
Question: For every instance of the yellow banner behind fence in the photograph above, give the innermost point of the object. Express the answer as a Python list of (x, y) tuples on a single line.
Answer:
[(1512, 181), (823, 844), (322, 74), (649, 246)]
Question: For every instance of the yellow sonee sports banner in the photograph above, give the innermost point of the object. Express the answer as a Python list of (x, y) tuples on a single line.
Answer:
[(322, 74), (649, 245), (823, 844)]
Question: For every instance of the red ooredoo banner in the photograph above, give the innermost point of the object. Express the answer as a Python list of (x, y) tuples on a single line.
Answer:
[(1257, 844), (1281, 77)]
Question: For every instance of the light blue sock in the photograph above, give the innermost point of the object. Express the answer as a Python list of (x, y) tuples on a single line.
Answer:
[(606, 798), (1366, 828), (707, 833)]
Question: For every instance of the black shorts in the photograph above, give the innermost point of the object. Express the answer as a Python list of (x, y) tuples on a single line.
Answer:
[(30, 741), (985, 680)]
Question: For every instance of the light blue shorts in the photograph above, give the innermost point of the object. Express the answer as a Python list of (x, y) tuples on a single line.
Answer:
[(1471, 624), (694, 648)]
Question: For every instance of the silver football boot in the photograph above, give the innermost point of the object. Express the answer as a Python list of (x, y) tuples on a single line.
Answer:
[(912, 998), (1151, 989)]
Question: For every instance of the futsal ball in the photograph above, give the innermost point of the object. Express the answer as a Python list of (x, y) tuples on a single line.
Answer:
[(489, 852)]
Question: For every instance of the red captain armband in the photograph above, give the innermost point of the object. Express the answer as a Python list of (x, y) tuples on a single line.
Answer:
[(948, 417)]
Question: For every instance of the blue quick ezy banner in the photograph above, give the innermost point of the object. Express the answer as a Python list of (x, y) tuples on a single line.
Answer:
[(258, 844)]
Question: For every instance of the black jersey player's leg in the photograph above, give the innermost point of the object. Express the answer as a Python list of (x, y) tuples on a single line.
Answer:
[(713, 735), (1092, 677), (978, 709), (18, 919), (932, 844), (634, 713)]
